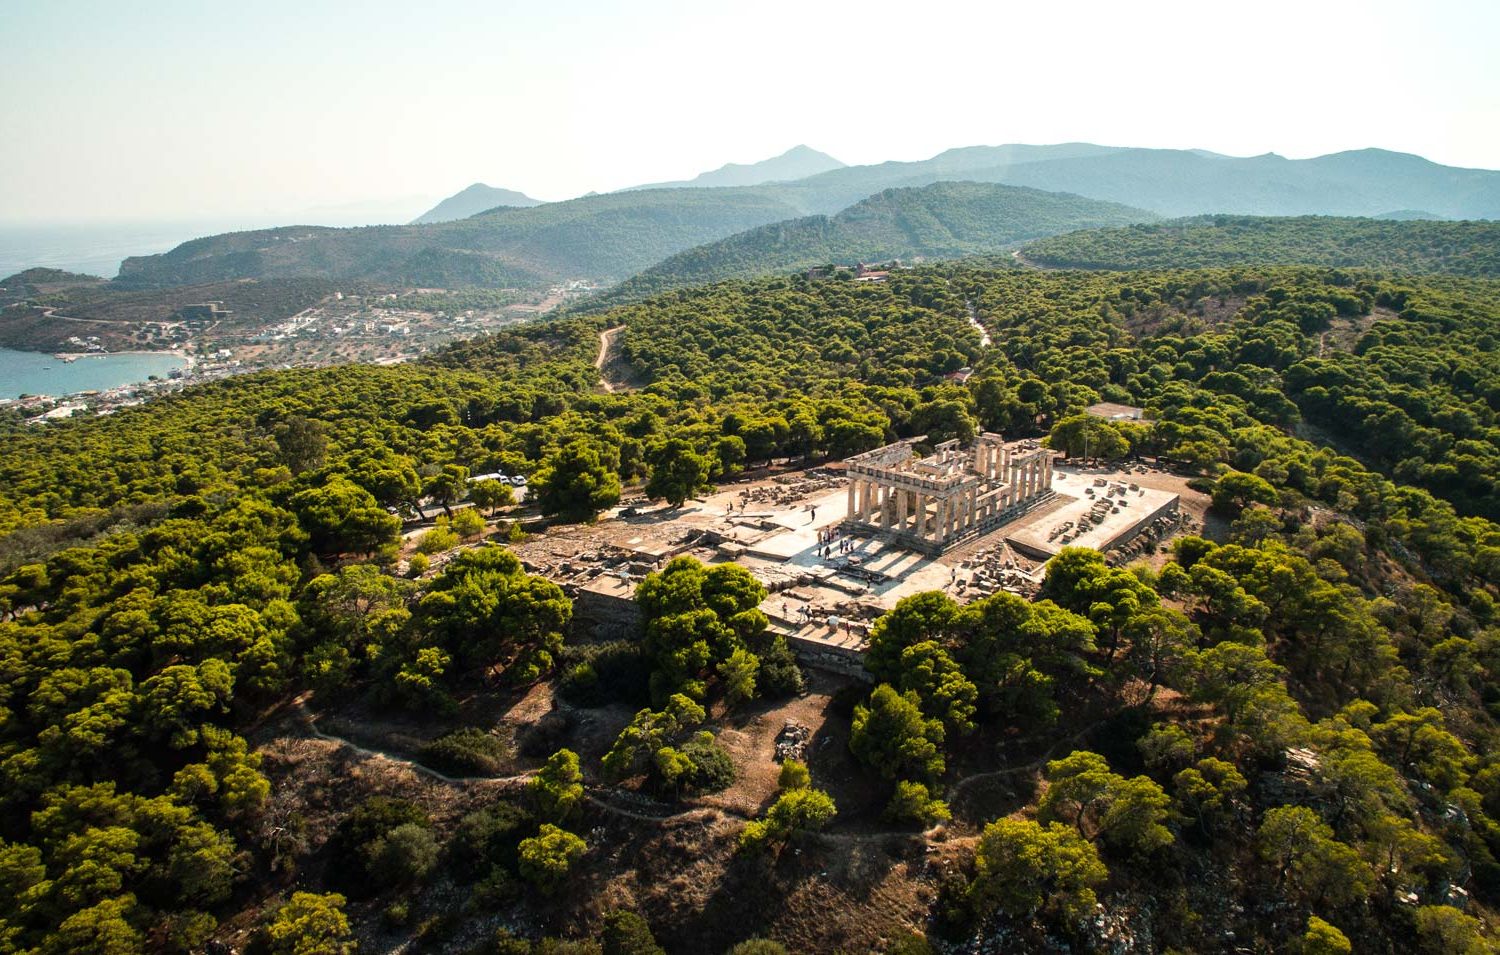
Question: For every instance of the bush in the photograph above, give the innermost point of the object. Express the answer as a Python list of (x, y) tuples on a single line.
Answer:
[(361, 832), (912, 803), (417, 565), (487, 840), (468, 523), (793, 775), (598, 674), (546, 858), (406, 854), (779, 676), (713, 770), (626, 933), (440, 538), (466, 752)]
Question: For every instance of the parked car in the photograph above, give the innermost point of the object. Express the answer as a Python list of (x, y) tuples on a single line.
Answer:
[(518, 481)]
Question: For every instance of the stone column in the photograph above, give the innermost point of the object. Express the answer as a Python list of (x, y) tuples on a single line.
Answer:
[(921, 515), (973, 508), (849, 511), (902, 503)]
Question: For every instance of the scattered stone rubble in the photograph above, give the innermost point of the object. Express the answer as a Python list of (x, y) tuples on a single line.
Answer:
[(791, 742)]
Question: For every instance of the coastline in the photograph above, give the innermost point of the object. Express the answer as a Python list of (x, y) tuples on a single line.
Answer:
[(188, 358), (59, 376)]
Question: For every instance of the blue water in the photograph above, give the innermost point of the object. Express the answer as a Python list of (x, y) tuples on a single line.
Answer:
[(97, 248), (34, 373)]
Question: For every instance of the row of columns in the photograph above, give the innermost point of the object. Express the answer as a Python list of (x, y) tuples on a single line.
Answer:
[(937, 517), (933, 517)]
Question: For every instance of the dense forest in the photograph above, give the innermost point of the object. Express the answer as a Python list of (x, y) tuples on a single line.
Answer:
[(1406, 246), (1283, 737)]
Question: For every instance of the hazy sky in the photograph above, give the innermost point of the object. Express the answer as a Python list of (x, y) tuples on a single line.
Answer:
[(206, 108)]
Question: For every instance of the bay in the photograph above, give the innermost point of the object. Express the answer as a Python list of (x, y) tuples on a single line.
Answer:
[(37, 373)]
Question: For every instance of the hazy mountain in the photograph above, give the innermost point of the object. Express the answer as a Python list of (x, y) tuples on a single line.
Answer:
[(943, 220), (1407, 214), (799, 162), (612, 236), (604, 237), (472, 201), (1178, 182), (1409, 246)]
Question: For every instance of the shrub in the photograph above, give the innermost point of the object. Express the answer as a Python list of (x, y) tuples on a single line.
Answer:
[(406, 854), (912, 803), (487, 840), (598, 674), (440, 538), (626, 933), (779, 676), (466, 752), (547, 858), (793, 775), (362, 831), (468, 523)]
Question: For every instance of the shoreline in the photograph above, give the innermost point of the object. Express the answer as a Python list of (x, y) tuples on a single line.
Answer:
[(183, 370), (190, 360)]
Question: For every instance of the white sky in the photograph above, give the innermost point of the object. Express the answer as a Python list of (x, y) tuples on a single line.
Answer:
[(172, 109)]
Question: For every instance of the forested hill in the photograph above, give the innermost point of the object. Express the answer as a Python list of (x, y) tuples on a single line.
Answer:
[(941, 221), (613, 236), (1286, 736), (605, 237), (1410, 246)]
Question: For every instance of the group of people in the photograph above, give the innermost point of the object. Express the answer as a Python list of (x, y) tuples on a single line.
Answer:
[(832, 541)]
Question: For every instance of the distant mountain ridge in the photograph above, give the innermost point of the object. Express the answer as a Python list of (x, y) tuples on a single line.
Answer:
[(611, 237), (608, 237), (941, 220), (799, 162), (472, 201)]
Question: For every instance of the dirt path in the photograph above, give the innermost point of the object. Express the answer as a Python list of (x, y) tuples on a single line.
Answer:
[(984, 335), (1026, 263), (305, 716), (612, 377), (594, 797)]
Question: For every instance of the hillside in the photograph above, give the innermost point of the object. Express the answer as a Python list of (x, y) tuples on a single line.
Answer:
[(40, 281), (1278, 728), (472, 201), (1407, 245), (1175, 182), (613, 236), (941, 221), (799, 162), (602, 237)]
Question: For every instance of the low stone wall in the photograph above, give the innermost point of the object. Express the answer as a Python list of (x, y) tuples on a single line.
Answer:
[(602, 616), (844, 661)]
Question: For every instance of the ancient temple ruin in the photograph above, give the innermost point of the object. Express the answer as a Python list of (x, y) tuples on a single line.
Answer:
[(930, 504)]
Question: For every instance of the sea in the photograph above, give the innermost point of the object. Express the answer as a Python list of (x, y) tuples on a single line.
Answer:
[(97, 248), (37, 373)]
